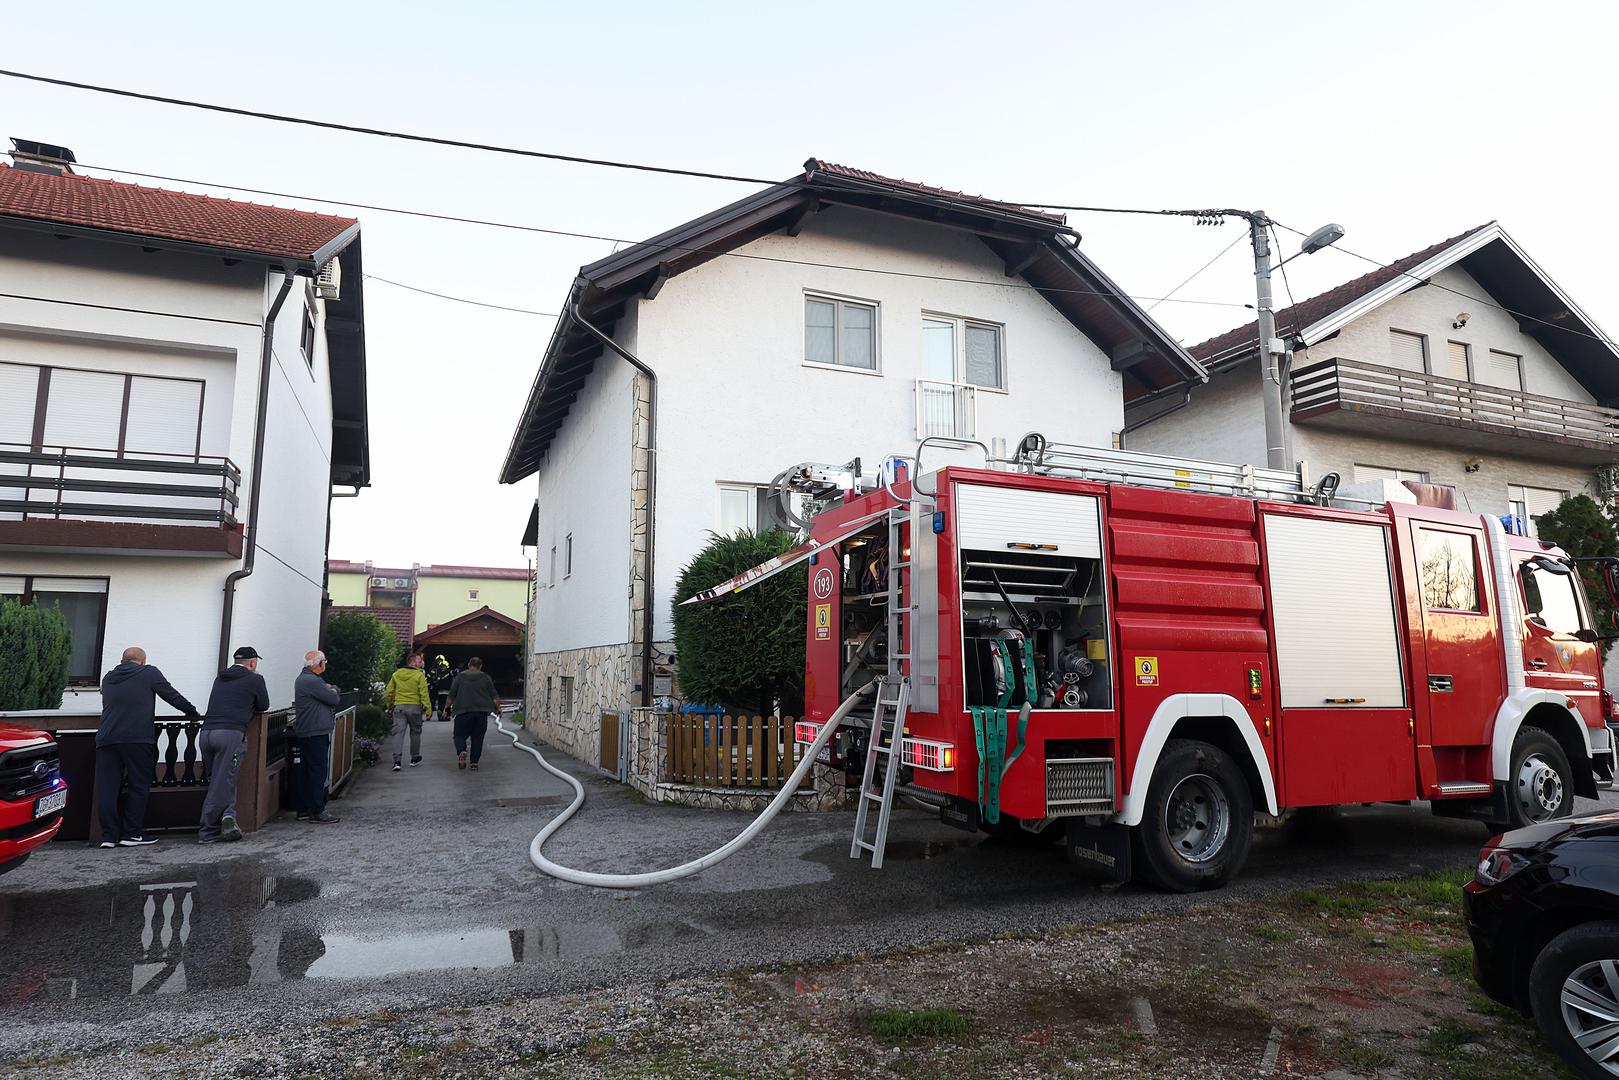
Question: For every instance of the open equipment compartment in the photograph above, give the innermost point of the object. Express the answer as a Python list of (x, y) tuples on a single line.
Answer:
[(1034, 626)]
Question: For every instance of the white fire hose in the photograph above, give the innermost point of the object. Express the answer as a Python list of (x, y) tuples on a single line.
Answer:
[(686, 869)]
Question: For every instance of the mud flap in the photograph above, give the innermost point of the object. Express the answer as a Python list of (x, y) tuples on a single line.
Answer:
[(1103, 849), (960, 813), (1492, 808)]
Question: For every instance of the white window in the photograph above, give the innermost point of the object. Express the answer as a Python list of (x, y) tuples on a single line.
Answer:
[(738, 509), (1368, 473), (306, 339), (567, 556), (1408, 351), (472, 594), (962, 351), (1504, 369), (1529, 503), (840, 333), (1458, 361), (100, 410), (551, 572), (83, 604), (164, 416), (83, 410)]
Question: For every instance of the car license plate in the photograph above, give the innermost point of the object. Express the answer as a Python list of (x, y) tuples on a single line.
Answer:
[(50, 804)]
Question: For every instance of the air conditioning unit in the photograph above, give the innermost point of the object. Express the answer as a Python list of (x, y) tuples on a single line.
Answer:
[(401, 582), (329, 281), (379, 583)]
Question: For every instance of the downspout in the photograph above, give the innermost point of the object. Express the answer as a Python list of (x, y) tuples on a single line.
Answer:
[(266, 345), (1141, 422), (649, 603)]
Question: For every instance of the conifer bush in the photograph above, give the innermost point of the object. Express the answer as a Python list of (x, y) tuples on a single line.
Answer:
[(361, 651), (746, 651), (36, 651), (1579, 527)]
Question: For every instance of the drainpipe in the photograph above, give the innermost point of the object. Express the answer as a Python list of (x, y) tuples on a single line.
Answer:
[(1141, 422), (648, 607), (266, 344)]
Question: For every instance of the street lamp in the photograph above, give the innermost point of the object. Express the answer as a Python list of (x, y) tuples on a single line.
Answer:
[(1272, 350)]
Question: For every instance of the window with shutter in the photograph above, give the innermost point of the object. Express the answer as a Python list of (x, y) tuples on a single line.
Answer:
[(1529, 503), (84, 410), (19, 392), (164, 415), (1456, 366), (1408, 351), (1504, 370)]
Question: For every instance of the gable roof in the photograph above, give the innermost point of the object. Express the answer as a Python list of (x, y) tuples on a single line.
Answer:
[(1035, 245), (34, 198), (485, 612), (1494, 260)]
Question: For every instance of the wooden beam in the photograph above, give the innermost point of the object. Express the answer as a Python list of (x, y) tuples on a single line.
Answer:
[(659, 276), (796, 223), (1130, 354), (1023, 257)]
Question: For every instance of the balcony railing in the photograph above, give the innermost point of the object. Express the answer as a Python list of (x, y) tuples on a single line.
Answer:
[(947, 410), (72, 483), (1472, 409)]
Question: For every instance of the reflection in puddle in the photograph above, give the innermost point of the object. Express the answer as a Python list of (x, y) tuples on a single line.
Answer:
[(228, 926), (927, 849)]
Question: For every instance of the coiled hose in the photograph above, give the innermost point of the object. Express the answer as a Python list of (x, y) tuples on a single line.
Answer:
[(686, 869)]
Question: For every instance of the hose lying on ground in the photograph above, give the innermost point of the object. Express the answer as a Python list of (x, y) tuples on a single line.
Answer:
[(686, 869)]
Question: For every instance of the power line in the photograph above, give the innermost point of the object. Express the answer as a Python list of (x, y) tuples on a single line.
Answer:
[(1170, 294), (665, 246), (459, 299), (1465, 296), (1287, 286), (1210, 216)]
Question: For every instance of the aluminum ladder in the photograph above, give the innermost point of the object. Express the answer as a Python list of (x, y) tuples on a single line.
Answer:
[(892, 705)]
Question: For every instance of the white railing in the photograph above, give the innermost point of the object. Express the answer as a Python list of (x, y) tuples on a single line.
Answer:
[(946, 410)]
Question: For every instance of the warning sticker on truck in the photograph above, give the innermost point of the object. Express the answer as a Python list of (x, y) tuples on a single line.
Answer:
[(1146, 671), (823, 622)]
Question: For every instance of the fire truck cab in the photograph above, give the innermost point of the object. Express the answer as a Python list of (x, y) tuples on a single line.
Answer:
[(1139, 654)]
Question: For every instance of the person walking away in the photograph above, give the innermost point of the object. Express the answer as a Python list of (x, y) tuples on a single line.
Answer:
[(126, 745), (409, 702), (438, 680), (314, 707), (239, 692), (472, 699)]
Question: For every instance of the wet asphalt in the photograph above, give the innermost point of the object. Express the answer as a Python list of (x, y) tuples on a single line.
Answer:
[(423, 895)]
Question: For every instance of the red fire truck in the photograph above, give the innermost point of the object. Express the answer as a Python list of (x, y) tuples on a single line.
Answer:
[(1140, 653)]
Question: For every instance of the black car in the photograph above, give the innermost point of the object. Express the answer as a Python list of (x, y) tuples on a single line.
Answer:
[(1543, 913)]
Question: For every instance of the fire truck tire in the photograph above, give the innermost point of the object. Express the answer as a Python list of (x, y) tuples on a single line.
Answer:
[(1199, 819), (1540, 786)]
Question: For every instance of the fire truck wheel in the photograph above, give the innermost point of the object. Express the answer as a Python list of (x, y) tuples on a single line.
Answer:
[(1540, 785), (1199, 819)]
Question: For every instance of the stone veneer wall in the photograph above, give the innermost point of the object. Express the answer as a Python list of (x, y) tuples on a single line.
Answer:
[(823, 788), (602, 681)]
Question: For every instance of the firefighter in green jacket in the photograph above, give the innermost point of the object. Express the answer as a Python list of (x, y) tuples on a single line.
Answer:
[(409, 701)]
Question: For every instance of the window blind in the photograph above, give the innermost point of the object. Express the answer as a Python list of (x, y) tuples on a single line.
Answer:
[(163, 416), (83, 410), (1456, 366), (1503, 370), (19, 389), (1406, 351)]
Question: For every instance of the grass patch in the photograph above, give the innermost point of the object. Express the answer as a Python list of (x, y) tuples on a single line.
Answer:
[(1359, 1055), (1457, 961), (898, 1025), (1267, 932), (413, 1053)]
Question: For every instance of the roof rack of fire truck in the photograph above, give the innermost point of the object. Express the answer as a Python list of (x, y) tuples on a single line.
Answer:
[(1034, 454)]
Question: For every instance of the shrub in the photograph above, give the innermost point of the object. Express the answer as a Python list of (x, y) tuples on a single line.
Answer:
[(371, 722), (367, 750), (361, 651), (1579, 527), (748, 649), (36, 651)]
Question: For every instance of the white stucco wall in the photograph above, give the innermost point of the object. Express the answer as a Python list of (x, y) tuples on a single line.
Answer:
[(737, 402), (1430, 311), (1225, 421), (168, 605)]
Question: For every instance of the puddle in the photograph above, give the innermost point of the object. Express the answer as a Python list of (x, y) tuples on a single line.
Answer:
[(534, 800), (926, 849), (221, 927)]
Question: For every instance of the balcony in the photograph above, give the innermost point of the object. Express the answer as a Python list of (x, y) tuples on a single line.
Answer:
[(1371, 399), (946, 410), (91, 500)]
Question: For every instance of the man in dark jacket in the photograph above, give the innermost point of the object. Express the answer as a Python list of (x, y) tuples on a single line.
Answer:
[(472, 699), (314, 706), (126, 745), (239, 692)]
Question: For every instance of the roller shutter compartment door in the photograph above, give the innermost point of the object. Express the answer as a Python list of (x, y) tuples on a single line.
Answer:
[(163, 416), (19, 391), (84, 410)]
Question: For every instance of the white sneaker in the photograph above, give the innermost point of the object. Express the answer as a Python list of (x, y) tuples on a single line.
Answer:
[(106, 844), (137, 841)]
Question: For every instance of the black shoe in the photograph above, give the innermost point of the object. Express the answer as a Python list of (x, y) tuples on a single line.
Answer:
[(397, 766), (415, 761), (324, 818), (474, 766), (302, 816), (137, 841), (208, 839)]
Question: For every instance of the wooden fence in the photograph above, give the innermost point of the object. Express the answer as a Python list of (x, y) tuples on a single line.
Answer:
[(729, 751)]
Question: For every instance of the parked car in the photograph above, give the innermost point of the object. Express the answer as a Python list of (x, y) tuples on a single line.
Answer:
[(1543, 913), (33, 795)]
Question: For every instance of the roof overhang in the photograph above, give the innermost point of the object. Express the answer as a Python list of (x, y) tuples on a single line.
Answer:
[(307, 265), (1035, 246), (345, 353), (531, 531)]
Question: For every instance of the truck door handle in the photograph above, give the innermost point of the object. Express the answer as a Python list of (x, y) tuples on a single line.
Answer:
[(1441, 684), (1537, 662)]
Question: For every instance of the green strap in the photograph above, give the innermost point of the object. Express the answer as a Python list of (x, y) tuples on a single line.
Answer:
[(998, 646), (996, 764), (1029, 694), (978, 740)]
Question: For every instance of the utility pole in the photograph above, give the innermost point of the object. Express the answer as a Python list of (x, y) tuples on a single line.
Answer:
[(1272, 352)]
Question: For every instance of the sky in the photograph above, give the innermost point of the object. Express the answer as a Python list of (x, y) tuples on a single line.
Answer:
[(1405, 122)]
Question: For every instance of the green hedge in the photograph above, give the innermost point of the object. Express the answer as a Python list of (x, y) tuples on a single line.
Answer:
[(35, 653), (361, 651)]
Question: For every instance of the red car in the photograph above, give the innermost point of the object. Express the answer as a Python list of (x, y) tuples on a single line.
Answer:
[(33, 794)]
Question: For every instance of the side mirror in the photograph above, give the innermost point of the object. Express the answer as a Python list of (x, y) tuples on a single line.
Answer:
[(1610, 578), (1588, 636)]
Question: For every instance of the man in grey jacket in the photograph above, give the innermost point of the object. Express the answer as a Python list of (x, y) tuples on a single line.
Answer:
[(314, 703)]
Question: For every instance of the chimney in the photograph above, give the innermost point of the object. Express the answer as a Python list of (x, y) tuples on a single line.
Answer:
[(38, 157)]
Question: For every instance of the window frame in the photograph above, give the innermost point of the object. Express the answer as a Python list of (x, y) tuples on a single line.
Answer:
[(1422, 341), (27, 599), (1513, 505), (1517, 360), (961, 323), (1526, 574), (472, 594), (1474, 544), (1421, 475), (1467, 357), (306, 335), (751, 491), (42, 401), (567, 557), (838, 303), (551, 571)]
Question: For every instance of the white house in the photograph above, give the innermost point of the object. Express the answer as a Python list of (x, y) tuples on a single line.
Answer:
[(182, 383), (1463, 364), (834, 315)]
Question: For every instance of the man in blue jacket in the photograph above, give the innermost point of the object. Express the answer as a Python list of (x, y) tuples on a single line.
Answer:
[(126, 745), (239, 692), (314, 707)]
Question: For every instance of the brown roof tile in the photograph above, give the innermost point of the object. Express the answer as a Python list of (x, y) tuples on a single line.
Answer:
[(816, 165)]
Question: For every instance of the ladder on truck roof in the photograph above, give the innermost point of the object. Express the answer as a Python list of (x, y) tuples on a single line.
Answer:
[(1036, 455), (885, 743)]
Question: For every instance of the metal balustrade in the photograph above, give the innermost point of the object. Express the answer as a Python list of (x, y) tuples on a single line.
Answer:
[(65, 482)]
